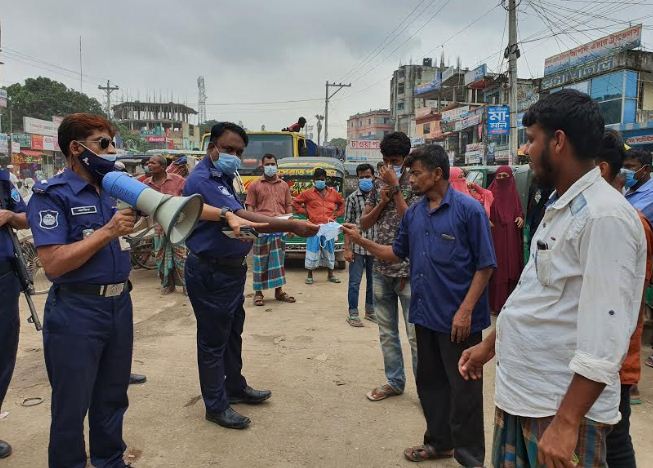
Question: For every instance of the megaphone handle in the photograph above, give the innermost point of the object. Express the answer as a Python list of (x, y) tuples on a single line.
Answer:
[(121, 205), (124, 244)]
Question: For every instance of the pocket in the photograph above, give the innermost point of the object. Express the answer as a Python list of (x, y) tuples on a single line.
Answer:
[(442, 248), (81, 223), (543, 266)]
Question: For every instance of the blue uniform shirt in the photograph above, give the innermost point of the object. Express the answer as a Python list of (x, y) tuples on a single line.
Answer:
[(207, 240), (64, 210), (642, 199), (11, 200), (446, 247)]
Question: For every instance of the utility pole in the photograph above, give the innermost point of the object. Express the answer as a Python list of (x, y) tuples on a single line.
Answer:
[(108, 89), (328, 97), (512, 54), (319, 118)]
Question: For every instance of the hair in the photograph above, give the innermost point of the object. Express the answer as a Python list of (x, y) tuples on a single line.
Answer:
[(268, 156), (612, 151), (644, 157), (364, 167), (431, 157), (161, 158), (574, 113), (395, 143), (79, 126), (319, 172), (218, 130), (301, 121)]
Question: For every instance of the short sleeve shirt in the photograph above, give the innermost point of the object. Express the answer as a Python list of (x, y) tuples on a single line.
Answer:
[(66, 209), (388, 223), (11, 200), (269, 198)]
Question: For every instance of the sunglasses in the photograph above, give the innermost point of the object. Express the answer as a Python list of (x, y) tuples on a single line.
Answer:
[(103, 142)]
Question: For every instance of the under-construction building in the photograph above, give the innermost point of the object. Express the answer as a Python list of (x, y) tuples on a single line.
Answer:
[(147, 115)]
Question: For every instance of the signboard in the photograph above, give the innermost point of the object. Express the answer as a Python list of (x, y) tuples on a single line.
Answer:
[(622, 40), (4, 143), (474, 153), (3, 98), (475, 77), (39, 127), (640, 140), (498, 120), (365, 144), (155, 139), (579, 73), (416, 141), (455, 114), (471, 118), (502, 155), (434, 85), (20, 140), (44, 142)]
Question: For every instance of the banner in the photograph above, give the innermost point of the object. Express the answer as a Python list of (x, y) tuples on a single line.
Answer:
[(39, 127), (4, 143), (608, 45), (20, 140), (498, 120), (3, 98), (580, 72), (155, 139), (44, 142), (474, 153), (474, 78), (365, 144)]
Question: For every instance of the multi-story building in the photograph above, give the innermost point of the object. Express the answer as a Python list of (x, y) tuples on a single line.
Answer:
[(403, 100), (372, 125)]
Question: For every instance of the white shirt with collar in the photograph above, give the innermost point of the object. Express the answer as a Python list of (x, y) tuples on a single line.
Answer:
[(576, 304)]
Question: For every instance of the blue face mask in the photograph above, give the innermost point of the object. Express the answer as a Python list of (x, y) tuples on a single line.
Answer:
[(320, 184), (270, 171), (365, 184), (398, 170), (227, 164), (98, 165)]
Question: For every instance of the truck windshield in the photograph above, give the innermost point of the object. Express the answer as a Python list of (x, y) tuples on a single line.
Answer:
[(279, 145)]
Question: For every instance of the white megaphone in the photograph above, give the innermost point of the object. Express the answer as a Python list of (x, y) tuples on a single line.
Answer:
[(177, 215)]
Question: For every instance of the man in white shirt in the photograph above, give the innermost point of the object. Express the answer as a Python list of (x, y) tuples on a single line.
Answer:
[(563, 333)]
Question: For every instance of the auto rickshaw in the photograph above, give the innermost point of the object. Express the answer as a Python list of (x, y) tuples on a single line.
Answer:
[(298, 174)]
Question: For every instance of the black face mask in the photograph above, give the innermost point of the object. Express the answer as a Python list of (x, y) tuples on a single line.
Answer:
[(97, 165)]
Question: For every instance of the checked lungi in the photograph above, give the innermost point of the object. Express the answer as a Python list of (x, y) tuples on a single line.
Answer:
[(515, 441), (320, 253), (269, 256)]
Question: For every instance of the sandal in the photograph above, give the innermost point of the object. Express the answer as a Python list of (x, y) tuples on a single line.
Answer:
[(284, 297), (355, 322), (425, 452), (258, 300), (382, 392), (333, 279), (308, 281)]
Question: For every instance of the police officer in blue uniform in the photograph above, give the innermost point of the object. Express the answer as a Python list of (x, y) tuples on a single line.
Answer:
[(215, 277), (12, 215), (88, 329)]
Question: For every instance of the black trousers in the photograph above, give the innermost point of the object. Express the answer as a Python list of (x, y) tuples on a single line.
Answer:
[(453, 407), (620, 451)]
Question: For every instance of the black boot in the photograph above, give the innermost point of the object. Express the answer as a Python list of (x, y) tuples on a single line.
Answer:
[(229, 418), (5, 449)]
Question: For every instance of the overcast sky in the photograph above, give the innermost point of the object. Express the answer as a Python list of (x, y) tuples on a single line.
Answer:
[(267, 52)]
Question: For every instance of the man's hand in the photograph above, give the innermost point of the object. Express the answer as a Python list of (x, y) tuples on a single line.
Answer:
[(388, 175), (385, 196), (519, 222), (352, 232), (5, 217), (461, 325), (304, 228), (235, 222), (472, 360), (122, 223), (556, 446), (349, 256)]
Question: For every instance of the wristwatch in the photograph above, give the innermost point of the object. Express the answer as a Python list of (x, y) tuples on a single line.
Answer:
[(394, 189), (224, 211)]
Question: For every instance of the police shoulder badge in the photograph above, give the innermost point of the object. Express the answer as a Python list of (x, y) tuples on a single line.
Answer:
[(49, 219), (15, 196)]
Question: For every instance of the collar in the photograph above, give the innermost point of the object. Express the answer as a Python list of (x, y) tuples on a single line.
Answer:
[(76, 182), (213, 171), (446, 201), (646, 187), (168, 177), (276, 180), (576, 189)]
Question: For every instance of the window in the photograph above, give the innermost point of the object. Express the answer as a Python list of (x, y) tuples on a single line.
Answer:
[(369, 121), (631, 84), (401, 88), (400, 106), (427, 128), (608, 86), (611, 111)]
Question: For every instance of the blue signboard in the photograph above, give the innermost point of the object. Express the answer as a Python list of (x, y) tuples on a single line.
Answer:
[(434, 85), (498, 120)]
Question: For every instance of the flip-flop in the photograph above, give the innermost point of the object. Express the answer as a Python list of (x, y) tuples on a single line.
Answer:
[(333, 279), (425, 452), (308, 281), (355, 322), (284, 297), (258, 301)]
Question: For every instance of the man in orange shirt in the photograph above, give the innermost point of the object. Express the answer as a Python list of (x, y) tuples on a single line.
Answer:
[(321, 204), (620, 451)]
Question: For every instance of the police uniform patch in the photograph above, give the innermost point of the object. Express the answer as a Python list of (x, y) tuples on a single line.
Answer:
[(49, 219), (81, 210), (15, 196)]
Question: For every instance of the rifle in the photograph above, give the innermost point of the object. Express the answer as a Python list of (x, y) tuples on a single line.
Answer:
[(25, 278)]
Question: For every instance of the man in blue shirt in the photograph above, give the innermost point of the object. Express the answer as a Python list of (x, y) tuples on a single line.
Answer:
[(447, 238), (12, 215), (637, 173), (216, 273)]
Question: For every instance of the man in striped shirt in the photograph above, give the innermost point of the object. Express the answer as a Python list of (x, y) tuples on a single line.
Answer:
[(359, 259)]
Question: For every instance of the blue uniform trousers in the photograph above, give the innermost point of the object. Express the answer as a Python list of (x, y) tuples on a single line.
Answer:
[(216, 294), (9, 328), (87, 341)]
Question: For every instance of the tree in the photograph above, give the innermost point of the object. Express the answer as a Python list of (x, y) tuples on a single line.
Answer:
[(44, 98), (132, 140), (205, 127), (339, 143)]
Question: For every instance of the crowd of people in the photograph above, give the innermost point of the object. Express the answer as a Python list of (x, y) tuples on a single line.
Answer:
[(446, 253)]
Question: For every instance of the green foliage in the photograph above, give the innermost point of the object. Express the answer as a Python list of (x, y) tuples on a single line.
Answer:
[(44, 98), (340, 143), (132, 140), (206, 126)]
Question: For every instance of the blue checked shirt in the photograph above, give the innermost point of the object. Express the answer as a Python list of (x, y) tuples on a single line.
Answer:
[(354, 206)]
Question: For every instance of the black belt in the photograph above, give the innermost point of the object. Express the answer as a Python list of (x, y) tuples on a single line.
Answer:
[(6, 267), (103, 290), (228, 262)]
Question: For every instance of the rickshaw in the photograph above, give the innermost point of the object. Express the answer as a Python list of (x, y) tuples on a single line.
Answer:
[(298, 174)]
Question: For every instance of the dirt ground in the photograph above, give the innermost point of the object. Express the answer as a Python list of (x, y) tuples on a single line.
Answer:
[(318, 368)]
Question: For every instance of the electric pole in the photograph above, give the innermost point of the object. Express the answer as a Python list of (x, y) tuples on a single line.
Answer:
[(512, 54), (319, 118), (327, 97), (108, 89)]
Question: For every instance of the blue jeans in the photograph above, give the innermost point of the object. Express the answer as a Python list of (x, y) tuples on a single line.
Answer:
[(387, 295), (361, 263)]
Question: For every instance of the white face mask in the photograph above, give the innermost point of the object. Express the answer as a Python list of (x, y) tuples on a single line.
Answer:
[(329, 230), (270, 171)]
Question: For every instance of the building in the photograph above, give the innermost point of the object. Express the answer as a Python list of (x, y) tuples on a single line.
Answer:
[(372, 125), (163, 125), (403, 100)]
